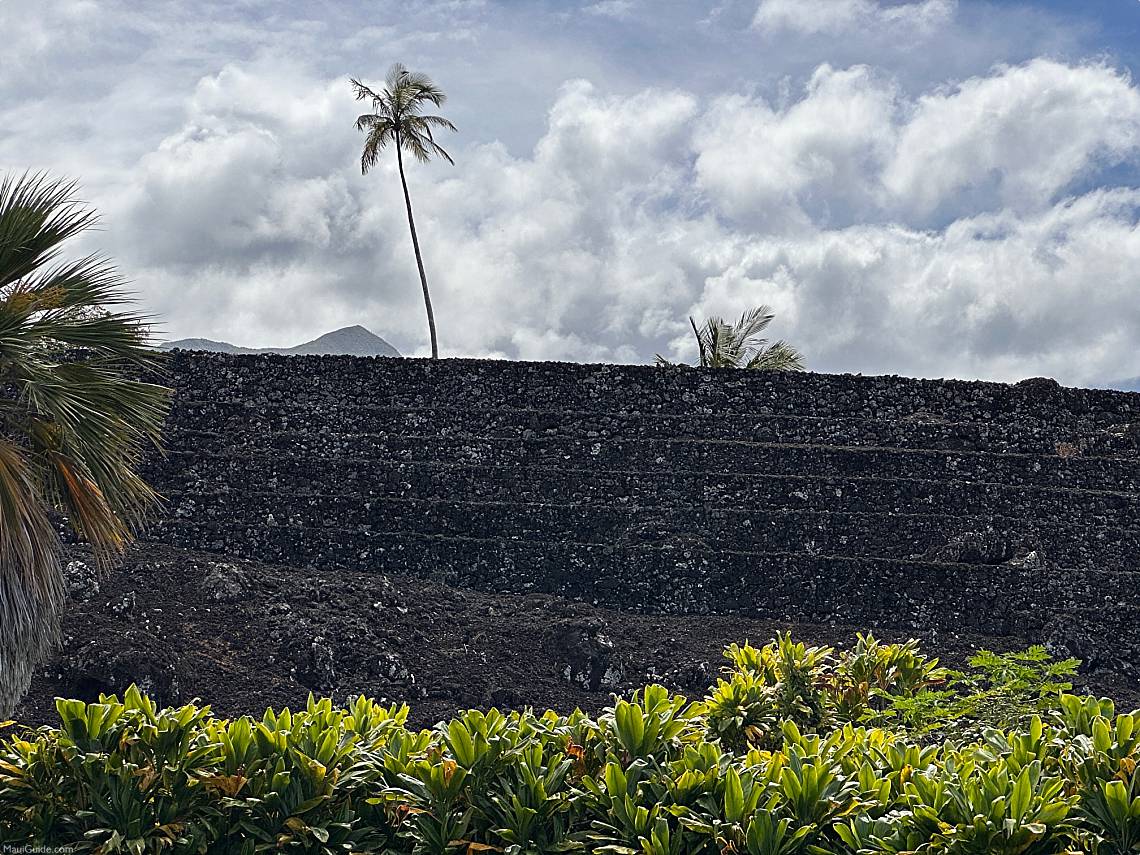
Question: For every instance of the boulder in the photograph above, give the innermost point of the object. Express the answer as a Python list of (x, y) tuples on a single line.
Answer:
[(137, 658), (583, 653), (81, 580), (223, 583)]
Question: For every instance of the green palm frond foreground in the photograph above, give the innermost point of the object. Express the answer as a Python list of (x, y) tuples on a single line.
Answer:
[(73, 422), (742, 344)]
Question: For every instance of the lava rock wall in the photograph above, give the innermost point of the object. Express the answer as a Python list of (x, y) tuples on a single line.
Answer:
[(1006, 509)]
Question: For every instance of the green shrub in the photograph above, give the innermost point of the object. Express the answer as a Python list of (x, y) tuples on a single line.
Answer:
[(796, 750), (815, 687)]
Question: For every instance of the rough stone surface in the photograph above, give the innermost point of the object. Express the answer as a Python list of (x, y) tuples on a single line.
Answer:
[(884, 501), (439, 648), (93, 667), (224, 582), (582, 653), (943, 508), (1065, 637), (988, 547), (81, 580)]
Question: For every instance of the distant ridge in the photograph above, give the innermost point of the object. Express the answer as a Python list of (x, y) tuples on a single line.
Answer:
[(349, 341), (1132, 385)]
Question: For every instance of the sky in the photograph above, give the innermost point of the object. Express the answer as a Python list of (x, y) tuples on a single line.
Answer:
[(936, 188)]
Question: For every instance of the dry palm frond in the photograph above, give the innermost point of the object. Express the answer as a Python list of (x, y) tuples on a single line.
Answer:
[(74, 421)]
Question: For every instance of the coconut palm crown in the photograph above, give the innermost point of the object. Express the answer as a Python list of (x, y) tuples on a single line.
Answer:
[(73, 421), (397, 119), (742, 344)]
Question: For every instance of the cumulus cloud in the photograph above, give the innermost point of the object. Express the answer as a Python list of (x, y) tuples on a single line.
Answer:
[(1015, 137), (853, 148), (997, 295), (982, 227), (805, 164), (813, 17), (632, 211)]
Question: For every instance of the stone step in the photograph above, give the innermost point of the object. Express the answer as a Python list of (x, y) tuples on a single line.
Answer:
[(565, 485), (460, 384), (684, 455), (995, 600), (1063, 542), (240, 423)]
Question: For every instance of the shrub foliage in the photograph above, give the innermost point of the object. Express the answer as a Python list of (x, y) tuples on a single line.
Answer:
[(796, 750)]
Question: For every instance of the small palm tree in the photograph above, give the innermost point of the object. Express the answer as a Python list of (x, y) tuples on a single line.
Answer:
[(396, 118), (742, 345), (74, 422)]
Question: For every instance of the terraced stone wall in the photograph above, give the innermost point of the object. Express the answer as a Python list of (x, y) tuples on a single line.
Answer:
[(870, 500)]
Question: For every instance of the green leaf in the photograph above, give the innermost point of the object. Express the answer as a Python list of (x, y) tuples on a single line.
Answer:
[(733, 796), (1019, 800), (462, 746)]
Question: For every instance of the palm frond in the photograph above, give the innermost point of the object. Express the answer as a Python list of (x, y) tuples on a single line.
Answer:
[(37, 214), (376, 142), (779, 356), (31, 584), (419, 140), (742, 344), (371, 122), (429, 122), (362, 92), (396, 117), (425, 92), (75, 421), (422, 148), (396, 72), (701, 354), (417, 146), (752, 324)]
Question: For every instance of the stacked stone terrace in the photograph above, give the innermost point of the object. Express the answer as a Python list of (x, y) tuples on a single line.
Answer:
[(941, 505)]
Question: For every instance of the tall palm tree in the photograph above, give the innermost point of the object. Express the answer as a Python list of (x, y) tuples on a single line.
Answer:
[(397, 118), (742, 344), (73, 420)]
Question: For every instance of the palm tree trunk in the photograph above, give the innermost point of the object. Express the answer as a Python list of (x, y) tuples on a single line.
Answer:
[(416, 246)]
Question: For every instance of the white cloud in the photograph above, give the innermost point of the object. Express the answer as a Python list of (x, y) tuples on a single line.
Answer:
[(979, 228), (619, 9), (805, 164), (814, 17), (599, 243), (853, 149), (997, 295), (1016, 137)]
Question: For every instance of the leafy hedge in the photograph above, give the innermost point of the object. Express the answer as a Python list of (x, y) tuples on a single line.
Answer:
[(782, 757)]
